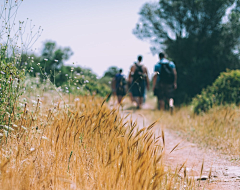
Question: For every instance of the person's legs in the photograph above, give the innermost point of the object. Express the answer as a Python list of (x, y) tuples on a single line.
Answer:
[(131, 97), (170, 96), (140, 102), (162, 104), (119, 99), (142, 93), (171, 105), (137, 100), (135, 93), (161, 95), (158, 104)]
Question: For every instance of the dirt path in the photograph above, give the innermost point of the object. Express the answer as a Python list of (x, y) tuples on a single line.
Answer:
[(224, 175)]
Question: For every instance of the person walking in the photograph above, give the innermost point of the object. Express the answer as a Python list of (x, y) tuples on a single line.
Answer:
[(119, 85), (139, 80), (164, 82)]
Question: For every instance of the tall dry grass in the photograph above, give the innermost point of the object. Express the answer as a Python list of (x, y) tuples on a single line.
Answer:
[(84, 145), (217, 129)]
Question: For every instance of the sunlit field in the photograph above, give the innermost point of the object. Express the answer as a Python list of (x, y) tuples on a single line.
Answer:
[(61, 129), (217, 129), (82, 144)]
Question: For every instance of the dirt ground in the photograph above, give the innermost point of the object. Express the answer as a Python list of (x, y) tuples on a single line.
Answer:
[(224, 174)]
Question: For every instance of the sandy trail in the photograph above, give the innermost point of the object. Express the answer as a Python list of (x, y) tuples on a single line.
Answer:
[(224, 175)]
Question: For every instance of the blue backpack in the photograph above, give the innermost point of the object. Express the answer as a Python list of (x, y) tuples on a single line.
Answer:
[(120, 81)]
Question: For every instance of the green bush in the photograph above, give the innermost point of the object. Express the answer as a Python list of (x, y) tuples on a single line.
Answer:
[(224, 90), (76, 80), (11, 78)]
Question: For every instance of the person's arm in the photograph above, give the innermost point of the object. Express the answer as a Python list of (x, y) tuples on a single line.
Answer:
[(130, 75), (113, 85), (145, 72), (154, 80), (155, 77), (147, 78), (175, 78)]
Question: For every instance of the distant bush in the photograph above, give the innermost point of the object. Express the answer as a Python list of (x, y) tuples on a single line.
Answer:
[(11, 78), (224, 90)]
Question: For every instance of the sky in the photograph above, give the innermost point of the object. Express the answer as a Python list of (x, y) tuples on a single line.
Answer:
[(98, 32)]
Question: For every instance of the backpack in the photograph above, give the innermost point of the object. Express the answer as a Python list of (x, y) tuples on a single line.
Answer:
[(166, 75), (138, 73), (120, 82)]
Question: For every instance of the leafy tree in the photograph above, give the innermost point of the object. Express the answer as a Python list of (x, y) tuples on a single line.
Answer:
[(53, 57), (70, 79), (108, 76), (111, 72), (49, 63), (197, 35), (29, 63)]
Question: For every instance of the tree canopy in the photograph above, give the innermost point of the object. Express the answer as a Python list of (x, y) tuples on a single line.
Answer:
[(111, 72), (74, 79), (201, 36)]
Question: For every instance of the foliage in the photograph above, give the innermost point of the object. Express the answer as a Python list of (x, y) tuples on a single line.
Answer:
[(111, 72), (52, 57), (197, 35), (108, 76), (10, 87), (224, 90), (14, 39), (70, 79), (49, 63), (82, 81), (106, 80)]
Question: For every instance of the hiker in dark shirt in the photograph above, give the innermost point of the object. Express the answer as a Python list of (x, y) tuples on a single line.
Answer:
[(138, 77), (164, 81), (119, 85)]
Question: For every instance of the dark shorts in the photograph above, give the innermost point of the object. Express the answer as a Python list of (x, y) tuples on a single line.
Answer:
[(121, 91), (138, 89), (164, 91), (129, 87)]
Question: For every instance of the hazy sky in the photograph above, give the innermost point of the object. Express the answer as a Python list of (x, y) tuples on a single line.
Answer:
[(98, 32)]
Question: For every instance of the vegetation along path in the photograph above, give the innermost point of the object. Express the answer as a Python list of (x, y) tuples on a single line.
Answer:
[(223, 173)]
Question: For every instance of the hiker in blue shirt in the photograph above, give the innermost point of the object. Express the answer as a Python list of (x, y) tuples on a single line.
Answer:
[(119, 85), (164, 81)]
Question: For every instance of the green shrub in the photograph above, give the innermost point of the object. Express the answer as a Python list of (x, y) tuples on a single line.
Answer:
[(224, 90), (10, 87)]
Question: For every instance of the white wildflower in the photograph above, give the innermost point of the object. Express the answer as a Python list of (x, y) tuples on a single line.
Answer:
[(5, 132), (24, 128), (45, 138), (8, 128), (14, 125), (34, 101)]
